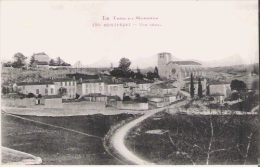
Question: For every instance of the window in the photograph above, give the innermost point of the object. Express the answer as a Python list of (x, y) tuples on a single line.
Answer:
[(47, 86), (51, 90), (73, 83), (100, 88), (115, 88), (60, 83), (69, 83), (37, 91), (65, 83), (46, 91), (86, 91), (23, 87)]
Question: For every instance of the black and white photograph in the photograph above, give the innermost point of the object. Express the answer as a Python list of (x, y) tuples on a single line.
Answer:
[(152, 82)]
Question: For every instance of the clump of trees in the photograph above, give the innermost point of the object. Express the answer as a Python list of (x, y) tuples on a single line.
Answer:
[(19, 61), (124, 71), (237, 85), (153, 75)]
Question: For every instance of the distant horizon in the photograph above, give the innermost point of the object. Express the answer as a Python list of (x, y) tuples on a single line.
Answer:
[(200, 30)]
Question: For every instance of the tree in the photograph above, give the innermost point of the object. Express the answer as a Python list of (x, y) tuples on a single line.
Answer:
[(32, 60), (124, 64), (7, 64), (207, 90), (19, 60), (150, 75), (52, 62), (237, 85), (30, 95), (4, 90), (200, 89), (62, 91), (59, 61), (138, 74), (191, 86), (156, 72)]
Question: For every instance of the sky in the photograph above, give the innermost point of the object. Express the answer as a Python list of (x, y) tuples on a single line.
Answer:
[(203, 30)]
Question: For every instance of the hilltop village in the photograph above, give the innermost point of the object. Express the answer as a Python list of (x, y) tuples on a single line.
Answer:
[(56, 84)]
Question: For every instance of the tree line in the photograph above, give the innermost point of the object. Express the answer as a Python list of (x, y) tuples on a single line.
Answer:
[(123, 71), (19, 61)]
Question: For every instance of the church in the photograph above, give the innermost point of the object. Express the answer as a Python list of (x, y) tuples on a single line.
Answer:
[(178, 70)]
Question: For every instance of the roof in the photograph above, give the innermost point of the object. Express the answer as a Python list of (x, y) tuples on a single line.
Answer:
[(163, 53), (112, 80), (42, 63), (185, 62), (217, 82), (42, 53), (83, 76), (51, 96), (137, 81), (94, 95), (42, 82), (62, 79), (93, 81), (165, 85)]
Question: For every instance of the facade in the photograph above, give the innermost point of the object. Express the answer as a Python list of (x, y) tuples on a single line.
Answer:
[(91, 86), (142, 87), (41, 57), (178, 70), (114, 89), (41, 87), (66, 83), (220, 88), (95, 97), (163, 89)]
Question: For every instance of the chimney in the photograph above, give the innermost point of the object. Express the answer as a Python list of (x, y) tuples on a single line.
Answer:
[(80, 80)]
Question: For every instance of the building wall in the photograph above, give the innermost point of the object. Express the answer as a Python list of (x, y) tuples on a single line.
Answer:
[(115, 89), (98, 87), (42, 57), (161, 92), (131, 106), (222, 89), (163, 59), (43, 66), (43, 89), (53, 103), (71, 87), (85, 104)]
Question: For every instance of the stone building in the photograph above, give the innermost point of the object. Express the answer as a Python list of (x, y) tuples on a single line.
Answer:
[(178, 70)]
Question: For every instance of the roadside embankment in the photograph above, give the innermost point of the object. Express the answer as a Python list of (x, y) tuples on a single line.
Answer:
[(59, 112), (14, 157)]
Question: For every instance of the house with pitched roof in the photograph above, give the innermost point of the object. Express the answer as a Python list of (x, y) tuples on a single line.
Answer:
[(91, 86), (43, 87), (41, 60), (66, 85)]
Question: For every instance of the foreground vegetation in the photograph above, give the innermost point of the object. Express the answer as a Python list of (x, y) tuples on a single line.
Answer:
[(58, 146), (194, 139)]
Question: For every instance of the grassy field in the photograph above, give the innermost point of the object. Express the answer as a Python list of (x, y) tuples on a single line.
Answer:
[(184, 140), (57, 146)]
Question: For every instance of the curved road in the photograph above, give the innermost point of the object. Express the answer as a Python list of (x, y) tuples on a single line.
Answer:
[(119, 136)]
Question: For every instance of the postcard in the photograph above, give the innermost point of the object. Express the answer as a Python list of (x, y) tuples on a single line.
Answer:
[(129, 82)]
